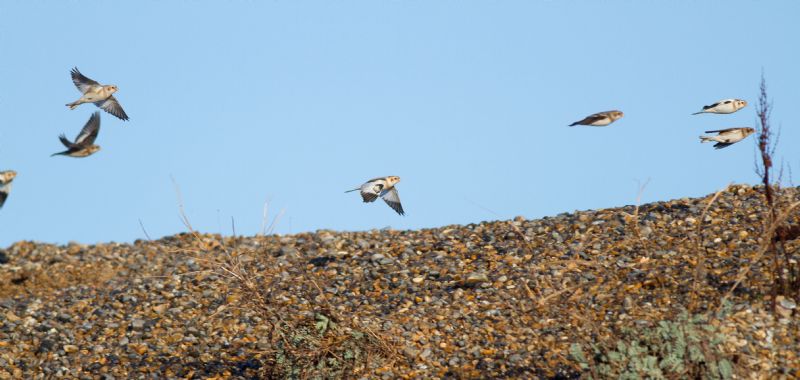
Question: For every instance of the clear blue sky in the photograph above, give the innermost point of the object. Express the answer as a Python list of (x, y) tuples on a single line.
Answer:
[(298, 101)]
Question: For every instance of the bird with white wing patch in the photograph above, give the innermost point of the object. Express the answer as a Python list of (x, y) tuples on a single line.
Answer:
[(93, 92), (84, 143), (727, 137), (724, 106), (600, 119), (6, 177), (382, 187)]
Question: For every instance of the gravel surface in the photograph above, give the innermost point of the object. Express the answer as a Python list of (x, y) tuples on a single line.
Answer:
[(502, 299)]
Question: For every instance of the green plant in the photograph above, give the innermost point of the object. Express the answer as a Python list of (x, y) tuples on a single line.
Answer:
[(688, 346)]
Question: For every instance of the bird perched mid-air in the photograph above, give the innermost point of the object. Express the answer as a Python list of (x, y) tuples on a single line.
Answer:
[(600, 119), (84, 143), (93, 92), (727, 137), (5, 184), (724, 106), (382, 187)]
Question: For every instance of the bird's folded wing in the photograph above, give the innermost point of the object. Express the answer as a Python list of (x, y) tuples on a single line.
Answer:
[(722, 130), (592, 119), (721, 145)]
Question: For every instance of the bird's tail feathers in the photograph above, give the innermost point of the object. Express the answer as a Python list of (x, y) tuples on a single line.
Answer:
[(705, 139), (58, 154), (73, 105), (350, 191), (573, 124), (698, 112)]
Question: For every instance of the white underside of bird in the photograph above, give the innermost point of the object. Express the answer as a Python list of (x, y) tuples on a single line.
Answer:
[(724, 106), (726, 137), (601, 123), (96, 94)]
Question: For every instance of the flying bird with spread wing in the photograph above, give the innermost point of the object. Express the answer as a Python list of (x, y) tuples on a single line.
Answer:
[(5, 184), (84, 143), (727, 137), (382, 187), (600, 119), (93, 92), (724, 106)]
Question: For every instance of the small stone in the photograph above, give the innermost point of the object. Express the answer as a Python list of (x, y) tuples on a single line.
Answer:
[(137, 323), (11, 317), (70, 348), (786, 303), (160, 309), (418, 280), (785, 306), (475, 279), (411, 352)]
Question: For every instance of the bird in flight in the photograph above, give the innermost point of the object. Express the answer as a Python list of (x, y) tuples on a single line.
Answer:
[(382, 187), (5, 184), (727, 137), (93, 92), (724, 106), (84, 143), (600, 119)]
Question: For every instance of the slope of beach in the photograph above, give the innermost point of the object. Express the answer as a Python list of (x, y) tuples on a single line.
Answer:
[(501, 299)]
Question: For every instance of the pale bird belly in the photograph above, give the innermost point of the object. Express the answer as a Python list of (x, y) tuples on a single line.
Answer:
[(96, 95), (601, 123), (726, 108)]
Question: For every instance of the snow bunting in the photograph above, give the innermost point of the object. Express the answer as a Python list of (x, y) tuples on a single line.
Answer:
[(84, 143), (600, 119), (100, 95), (727, 137), (382, 187), (5, 184), (724, 106)]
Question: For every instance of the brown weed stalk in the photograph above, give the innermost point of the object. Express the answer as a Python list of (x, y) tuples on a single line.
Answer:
[(784, 280)]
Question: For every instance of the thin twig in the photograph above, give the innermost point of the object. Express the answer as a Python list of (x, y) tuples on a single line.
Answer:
[(699, 269), (146, 235), (765, 246)]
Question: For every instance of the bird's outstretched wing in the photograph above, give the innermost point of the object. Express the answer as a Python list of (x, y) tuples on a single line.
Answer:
[(111, 105), (64, 140), (4, 190), (721, 145), (81, 81), (371, 190), (393, 200), (89, 132)]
